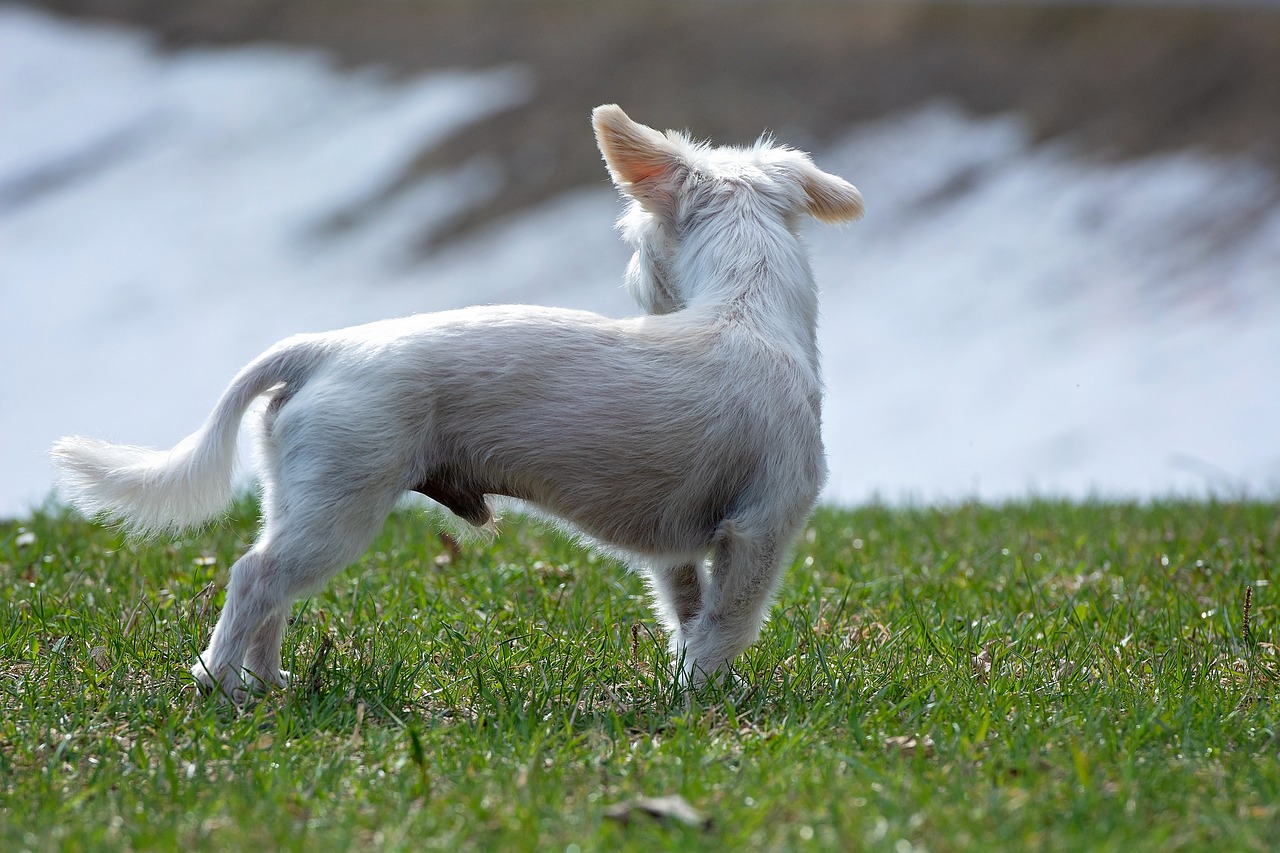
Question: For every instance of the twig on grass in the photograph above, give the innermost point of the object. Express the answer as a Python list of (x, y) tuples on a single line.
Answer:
[(1248, 605), (419, 756), (317, 666)]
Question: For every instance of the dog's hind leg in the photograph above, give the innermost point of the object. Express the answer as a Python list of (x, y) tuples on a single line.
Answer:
[(743, 579), (308, 537), (677, 594), (248, 607)]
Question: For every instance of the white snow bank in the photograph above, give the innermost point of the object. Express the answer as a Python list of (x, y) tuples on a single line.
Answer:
[(1012, 318), (1007, 318)]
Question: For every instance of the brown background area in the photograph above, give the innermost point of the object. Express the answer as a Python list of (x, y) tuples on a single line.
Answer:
[(1117, 82)]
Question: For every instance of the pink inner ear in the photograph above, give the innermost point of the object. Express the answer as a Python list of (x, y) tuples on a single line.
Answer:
[(640, 170), (633, 160), (634, 153)]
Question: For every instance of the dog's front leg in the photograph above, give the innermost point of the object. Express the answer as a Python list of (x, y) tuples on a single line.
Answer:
[(743, 579), (262, 661)]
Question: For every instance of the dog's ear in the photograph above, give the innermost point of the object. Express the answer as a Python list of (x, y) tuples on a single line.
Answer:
[(642, 162), (830, 199)]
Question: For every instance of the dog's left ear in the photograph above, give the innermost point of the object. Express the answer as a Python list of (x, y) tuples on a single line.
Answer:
[(642, 162), (830, 199)]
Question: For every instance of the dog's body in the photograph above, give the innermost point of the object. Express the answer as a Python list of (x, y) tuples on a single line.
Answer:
[(690, 431)]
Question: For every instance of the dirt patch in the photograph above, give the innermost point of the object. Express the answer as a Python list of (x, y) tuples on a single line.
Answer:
[(1119, 82)]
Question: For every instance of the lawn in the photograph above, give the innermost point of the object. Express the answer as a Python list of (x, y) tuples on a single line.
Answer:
[(1039, 675)]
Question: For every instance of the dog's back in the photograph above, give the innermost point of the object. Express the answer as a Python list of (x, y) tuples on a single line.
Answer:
[(676, 418)]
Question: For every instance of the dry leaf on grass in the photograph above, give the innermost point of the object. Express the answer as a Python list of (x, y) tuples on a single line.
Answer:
[(911, 744), (669, 808), (452, 549), (981, 664)]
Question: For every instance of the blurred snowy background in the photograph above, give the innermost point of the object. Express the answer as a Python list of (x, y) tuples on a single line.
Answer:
[(1067, 281)]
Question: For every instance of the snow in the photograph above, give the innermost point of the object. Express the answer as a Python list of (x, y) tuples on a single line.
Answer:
[(1060, 327), (1009, 318)]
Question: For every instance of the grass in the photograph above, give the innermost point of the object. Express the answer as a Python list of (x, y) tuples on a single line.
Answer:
[(1040, 675)]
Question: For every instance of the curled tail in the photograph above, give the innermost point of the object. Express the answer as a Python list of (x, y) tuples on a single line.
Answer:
[(155, 491)]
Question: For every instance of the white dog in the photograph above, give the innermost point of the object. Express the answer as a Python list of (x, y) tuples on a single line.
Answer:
[(690, 432)]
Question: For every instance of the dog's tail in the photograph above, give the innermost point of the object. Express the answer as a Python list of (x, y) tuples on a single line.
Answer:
[(157, 491)]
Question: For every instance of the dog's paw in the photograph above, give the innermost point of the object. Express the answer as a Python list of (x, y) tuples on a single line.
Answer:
[(205, 682), (236, 686), (265, 683), (694, 678)]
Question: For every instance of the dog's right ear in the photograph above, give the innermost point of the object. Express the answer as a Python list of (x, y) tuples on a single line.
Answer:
[(642, 162)]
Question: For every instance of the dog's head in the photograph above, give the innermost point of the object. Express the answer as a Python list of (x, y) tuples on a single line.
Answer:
[(679, 189)]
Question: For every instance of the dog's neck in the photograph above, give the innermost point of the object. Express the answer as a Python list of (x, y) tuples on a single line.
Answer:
[(753, 273)]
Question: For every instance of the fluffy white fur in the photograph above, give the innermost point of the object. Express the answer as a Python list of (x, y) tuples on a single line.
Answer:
[(687, 433)]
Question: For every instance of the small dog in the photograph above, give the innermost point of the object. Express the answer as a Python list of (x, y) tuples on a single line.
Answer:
[(688, 432)]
